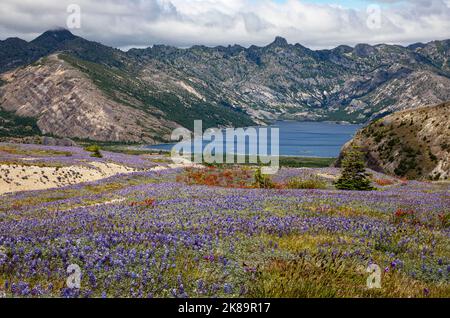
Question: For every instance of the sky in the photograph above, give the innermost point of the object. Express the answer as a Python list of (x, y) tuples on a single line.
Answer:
[(314, 23)]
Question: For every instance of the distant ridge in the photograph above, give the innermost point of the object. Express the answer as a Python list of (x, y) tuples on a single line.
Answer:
[(225, 86)]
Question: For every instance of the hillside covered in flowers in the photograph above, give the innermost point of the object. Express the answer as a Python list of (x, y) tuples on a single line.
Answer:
[(158, 230)]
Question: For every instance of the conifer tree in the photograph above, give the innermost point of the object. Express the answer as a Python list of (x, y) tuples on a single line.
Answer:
[(354, 176)]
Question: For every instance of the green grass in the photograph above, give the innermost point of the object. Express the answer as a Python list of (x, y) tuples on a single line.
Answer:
[(313, 265), (286, 162), (33, 152), (297, 183), (305, 162), (322, 276), (126, 149)]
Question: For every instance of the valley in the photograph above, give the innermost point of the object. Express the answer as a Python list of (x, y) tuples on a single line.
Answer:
[(362, 187)]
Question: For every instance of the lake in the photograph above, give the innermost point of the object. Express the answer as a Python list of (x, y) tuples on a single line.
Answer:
[(306, 139)]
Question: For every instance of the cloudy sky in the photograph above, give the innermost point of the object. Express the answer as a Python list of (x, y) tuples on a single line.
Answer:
[(313, 23)]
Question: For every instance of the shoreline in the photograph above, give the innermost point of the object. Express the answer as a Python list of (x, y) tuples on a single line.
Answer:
[(145, 148)]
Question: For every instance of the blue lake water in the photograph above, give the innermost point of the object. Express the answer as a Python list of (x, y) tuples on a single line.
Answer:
[(306, 139)]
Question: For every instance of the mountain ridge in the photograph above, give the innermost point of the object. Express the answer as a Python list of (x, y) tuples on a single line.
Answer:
[(238, 86)]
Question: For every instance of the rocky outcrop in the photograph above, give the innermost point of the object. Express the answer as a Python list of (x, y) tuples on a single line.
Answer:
[(414, 144)]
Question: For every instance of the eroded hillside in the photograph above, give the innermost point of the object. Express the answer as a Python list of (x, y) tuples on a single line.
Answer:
[(412, 144), (67, 103)]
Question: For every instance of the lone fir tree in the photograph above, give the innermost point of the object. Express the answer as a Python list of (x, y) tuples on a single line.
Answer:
[(354, 176)]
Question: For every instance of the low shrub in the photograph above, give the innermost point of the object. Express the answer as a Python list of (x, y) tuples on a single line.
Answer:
[(95, 149), (92, 148), (147, 203), (97, 154), (262, 181), (298, 183), (444, 220), (384, 182), (405, 217), (217, 177)]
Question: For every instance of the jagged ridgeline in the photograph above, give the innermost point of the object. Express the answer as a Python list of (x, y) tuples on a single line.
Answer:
[(411, 144), (64, 81)]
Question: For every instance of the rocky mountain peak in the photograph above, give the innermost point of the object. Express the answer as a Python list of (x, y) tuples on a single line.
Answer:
[(55, 36), (279, 42), (364, 50)]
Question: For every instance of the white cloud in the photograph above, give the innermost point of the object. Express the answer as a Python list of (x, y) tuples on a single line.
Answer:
[(128, 23)]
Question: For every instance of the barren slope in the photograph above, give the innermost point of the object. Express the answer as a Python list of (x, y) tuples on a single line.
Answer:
[(66, 103), (413, 143)]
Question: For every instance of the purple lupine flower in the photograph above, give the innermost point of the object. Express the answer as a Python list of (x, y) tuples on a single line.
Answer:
[(227, 288)]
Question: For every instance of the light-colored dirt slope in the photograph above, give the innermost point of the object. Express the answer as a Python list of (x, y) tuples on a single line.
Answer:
[(66, 103)]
